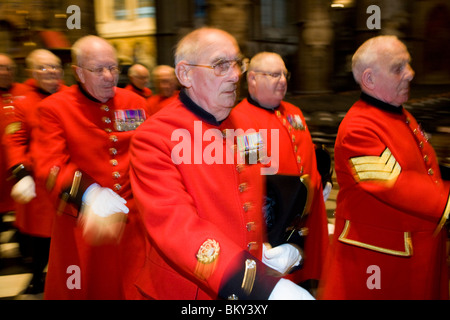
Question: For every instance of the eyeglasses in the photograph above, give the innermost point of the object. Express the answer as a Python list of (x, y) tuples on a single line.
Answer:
[(49, 67), (222, 67), (99, 71), (276, 75)]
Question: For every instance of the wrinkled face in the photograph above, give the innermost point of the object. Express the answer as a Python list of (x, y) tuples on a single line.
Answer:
[(215, 93), (393, 75), (269, 82), (47, 71), (94, 71), (6, 72)]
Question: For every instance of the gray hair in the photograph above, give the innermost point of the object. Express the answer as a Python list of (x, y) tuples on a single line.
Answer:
[(30, 59)]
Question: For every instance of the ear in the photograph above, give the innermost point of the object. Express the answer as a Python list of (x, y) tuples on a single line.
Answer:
[(182, 72), (368, 78), (78, 73), (251, 78)]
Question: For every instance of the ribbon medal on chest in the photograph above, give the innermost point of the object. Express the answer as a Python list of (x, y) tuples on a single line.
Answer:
[(128, 119)]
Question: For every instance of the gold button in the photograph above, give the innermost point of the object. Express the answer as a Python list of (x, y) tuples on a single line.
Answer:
[(114, 162), (295, 148), (239, 168), (116, 175), (430, 172), (249, 226), (105, 108), (293, 138), (117, 187), (108, 130), (421, 144), (113, 138), (252, 245), (425, 158), (299, 159), (113, 151), (106, 120), (407, 120), (242, 187), (247, 206)]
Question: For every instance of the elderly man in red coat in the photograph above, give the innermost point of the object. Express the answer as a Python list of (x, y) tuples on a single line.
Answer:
[(389, 240), (267, 80), (34, 210), (201, 204), (84, 135), (10, 93)]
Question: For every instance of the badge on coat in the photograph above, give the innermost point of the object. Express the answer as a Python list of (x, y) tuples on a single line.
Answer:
[(296, 122), (251, 147), (207, 256), (128, 119)]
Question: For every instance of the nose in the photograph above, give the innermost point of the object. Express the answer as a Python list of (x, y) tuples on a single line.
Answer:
[(409, 73)]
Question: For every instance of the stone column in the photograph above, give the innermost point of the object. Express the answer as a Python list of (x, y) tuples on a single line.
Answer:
[(315, 53)]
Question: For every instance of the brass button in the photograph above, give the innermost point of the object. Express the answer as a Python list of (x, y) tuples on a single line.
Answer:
[(116, 175), (425, 158), (430, 172), (113, 151), (252, 245), (108, 130), (106, 120), (299, 159), (113, 138), (249, 226), (242, 187), (114, 162), (105, 108), (421, 144), (247, 206), (117, 187), (239, 168)]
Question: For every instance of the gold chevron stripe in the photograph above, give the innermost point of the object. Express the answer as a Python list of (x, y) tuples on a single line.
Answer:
[(373, 168)]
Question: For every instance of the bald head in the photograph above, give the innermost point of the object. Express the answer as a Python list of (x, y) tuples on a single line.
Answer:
[(89, 46), (381, 66), (45, 68), (96, 67), (139, 76), (372, 52), (165, 80)]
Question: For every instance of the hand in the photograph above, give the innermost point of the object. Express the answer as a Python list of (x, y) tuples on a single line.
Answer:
[(281, 258), (24, 190), (103, 215), (287, 290), (327, 191)]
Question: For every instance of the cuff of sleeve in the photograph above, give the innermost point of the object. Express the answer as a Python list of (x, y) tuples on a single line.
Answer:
[(74, 192), (19, 171), (250, 279), (444, 217)]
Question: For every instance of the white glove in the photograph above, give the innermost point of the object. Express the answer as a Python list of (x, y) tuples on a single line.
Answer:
[(287, 290), (103, 215), (281, 258), (24, 190), (327, 191)]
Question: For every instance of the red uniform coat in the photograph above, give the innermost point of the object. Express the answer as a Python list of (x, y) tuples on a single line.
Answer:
[(78, 133), (296, 157), (35, 217), (388, 241), (156, 102), (8, 100), (191, 192)]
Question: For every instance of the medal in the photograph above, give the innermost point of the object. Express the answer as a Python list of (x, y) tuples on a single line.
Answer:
[(128, 119)]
